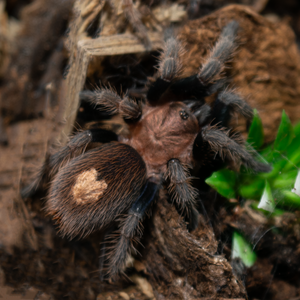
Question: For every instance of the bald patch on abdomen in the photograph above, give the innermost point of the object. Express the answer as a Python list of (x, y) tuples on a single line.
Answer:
[(87, 188)]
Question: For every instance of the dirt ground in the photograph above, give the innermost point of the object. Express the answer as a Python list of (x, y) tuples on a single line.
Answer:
[(42, 71)]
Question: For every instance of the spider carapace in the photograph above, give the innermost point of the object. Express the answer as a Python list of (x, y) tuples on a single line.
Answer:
[(156, 137), (174, 131)]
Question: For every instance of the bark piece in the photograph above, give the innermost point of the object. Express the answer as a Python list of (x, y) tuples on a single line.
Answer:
[(183, 265), (37, 60)]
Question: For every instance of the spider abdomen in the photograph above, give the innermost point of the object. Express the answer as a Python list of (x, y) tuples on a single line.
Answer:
[(95, 187)]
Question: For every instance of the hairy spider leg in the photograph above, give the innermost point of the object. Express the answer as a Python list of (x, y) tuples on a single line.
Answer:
[(103, 259), (168, 68), (208, 81), (134, 17), (197, 86), (130, 229), (181, 191), (228, 147), (75, 146), (202, 113), (220, 54), (109, 100), (219, 115), (226, 103)]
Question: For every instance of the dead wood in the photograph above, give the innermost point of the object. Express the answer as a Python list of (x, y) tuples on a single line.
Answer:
[(183, 265), (38, 59)]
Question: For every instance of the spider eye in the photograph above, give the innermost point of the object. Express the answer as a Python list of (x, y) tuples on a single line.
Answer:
[(183, 114)]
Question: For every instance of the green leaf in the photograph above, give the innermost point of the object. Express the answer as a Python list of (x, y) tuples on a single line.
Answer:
[(251, 187), (290, 199), (223, 182), (293, 154), (242, 249), (297, 129), (285, 133), (256, 132), (293, 162), (266, 201), (267, 153), (284, 180), (276, 212)]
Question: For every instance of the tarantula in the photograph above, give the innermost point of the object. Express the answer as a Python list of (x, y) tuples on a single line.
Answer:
[(171, 133)]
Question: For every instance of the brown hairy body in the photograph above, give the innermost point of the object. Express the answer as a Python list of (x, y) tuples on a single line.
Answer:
[(171, 133)]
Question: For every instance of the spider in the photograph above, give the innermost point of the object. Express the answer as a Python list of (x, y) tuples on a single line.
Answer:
[(171, 133)]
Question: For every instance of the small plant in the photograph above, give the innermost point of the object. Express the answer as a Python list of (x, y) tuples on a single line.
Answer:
[(272, 192), (279, 188), (242, 249)]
